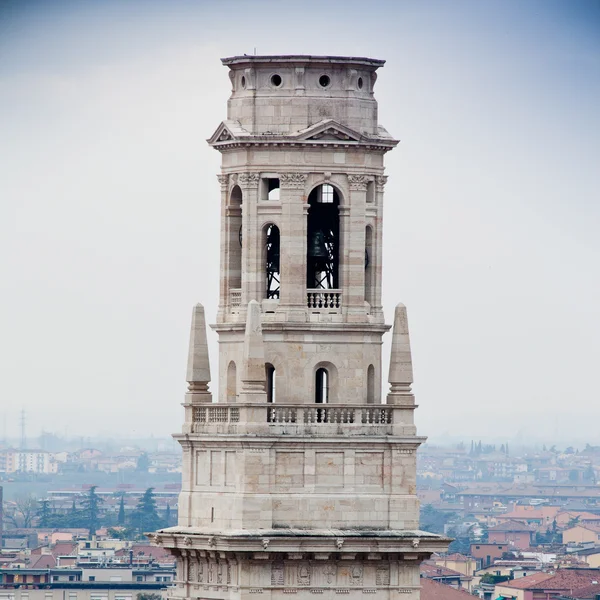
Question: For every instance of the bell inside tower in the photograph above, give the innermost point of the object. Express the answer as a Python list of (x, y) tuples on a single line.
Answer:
[(323, 248), (272, 267)]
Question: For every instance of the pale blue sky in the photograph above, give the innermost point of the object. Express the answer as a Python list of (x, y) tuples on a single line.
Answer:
[(109, 201)]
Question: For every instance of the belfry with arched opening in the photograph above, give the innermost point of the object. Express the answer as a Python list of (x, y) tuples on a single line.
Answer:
[(299, 474)]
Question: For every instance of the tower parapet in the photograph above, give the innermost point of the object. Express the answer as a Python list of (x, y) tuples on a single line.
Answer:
[(299, 479)]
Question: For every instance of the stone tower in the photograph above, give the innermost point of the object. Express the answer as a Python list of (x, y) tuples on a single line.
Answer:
[(299, 479)]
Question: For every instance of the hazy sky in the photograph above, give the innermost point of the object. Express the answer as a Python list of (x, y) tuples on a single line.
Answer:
[(109, 204)]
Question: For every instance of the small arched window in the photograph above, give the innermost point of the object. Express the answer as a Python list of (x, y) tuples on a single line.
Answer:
[(369, 272), (231, 382), (322, 386), (234, 243), (271, 390), (371, 385), (323, 243)]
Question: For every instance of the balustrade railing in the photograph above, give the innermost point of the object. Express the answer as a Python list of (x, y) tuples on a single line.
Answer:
[(326, 300), (320, 419), (318, 414), (235, 298), (216, 414)]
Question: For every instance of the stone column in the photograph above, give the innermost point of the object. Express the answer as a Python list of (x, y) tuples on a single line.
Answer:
[(377, 308), (224, 259), (251, 239), (293, 245), (354, 252)]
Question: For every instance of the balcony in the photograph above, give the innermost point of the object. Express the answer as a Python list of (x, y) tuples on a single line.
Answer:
[(327, 301), (300, 419)]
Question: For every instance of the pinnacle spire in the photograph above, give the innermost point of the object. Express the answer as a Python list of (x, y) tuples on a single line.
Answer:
[(401, 373), (253, 388), (198, 366)]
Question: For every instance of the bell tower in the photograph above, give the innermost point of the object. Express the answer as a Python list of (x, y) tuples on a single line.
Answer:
[(298, 479), (302, 195)]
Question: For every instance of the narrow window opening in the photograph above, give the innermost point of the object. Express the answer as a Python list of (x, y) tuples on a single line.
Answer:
[(234, 246), (212, 514), (231, 382), (369, 265), (272, 266), (322, 386), (271, 389), (371, 385), (273, 189), (371, 192), (323, 244)]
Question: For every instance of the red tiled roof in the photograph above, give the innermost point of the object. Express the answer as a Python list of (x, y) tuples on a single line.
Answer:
[(589, 592), (457, 557), (64, 549), (511, 526), (433, 571), (524, 583), (432, 590), (45, 561), (563, 579)]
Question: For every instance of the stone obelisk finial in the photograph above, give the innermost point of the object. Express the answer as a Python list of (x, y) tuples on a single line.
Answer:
[(254, 379), (198, 366), (401, 373)]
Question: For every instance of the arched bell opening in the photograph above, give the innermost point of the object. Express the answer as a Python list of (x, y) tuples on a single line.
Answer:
[(234, 245), (369, 271), (271, 384), (371, 385), (323, 243), (231, 382), (322, 386), (272, 262)]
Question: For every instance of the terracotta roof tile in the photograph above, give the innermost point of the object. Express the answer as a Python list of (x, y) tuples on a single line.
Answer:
[(432, 590)]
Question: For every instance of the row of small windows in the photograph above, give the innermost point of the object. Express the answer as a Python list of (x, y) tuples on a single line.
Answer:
[(322, 384), (276, 81)]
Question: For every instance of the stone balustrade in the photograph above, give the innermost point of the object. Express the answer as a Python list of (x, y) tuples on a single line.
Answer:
[(301, 419), (324, 300), (235, 298)]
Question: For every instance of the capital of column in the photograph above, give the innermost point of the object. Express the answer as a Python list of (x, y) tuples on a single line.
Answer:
[(380, 182), (248, 180), (292, 181), (223, 181), (358, 183)]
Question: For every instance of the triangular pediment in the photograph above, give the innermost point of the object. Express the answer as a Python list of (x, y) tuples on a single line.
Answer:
[(227, 131), (329, 130)]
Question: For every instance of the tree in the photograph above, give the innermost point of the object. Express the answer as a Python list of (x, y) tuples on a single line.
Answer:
[(44, 514), (434, 520), (145, 517), (91, 509), (121, 515), (24, 512), (143, 463), (148, 596)]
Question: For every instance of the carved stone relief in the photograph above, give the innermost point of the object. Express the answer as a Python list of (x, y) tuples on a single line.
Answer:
[(304, 573), (277, 573), (358, 182), (292, 181)]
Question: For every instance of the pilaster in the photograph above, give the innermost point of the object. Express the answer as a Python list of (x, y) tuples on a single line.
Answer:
[(293, 245)]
